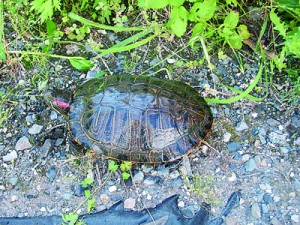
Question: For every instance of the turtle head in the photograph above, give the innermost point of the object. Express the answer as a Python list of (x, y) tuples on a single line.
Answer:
[(60, 101)]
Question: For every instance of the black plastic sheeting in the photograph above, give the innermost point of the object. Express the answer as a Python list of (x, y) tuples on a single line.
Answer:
[(166, 213)]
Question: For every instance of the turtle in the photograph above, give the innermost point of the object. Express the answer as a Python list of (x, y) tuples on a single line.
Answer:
[(136, 118)]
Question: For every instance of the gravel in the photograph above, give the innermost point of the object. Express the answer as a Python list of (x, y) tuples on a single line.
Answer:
[(257, 152)]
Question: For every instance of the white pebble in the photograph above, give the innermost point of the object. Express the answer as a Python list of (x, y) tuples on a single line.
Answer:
[(14, 198), (295, 218), (43, 209), (180, 204), (10, 156), (226, 137), (149, 197), (232, 177), (112, 188), (129, 203), (276, 198)]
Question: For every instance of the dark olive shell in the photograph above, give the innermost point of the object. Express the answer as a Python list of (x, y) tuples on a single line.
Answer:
[(139, 118)]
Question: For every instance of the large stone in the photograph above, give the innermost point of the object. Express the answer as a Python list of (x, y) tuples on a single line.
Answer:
[(23, 143)]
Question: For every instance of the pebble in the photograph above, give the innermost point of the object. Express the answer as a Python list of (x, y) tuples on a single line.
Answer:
[(174, 174), (163, 171), (14, 198), (138, 177), (232, 177), (53, 115), (186, 168), (226, 137), (10, 156), (255, 210), (295, 218), (264, 208), (181, 204), (104, 198), (147, 168), (112, 188), (250, 165), (43, 209), (129, 203), (67, 196), (13, 181), (272, 122), (151, 180), (266, 187), (275, 221), (276, 198), (171, 61), (51, 173), (230, 221), (277, 138), (23, 143), (35, 129), (45, 149), (58, 142), (284, 150), (242, 126), (234, 146)]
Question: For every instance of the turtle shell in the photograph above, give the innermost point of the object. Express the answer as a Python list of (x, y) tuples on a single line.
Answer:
[(139, 118)]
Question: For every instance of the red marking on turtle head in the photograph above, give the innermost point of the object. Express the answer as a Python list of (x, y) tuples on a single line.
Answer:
[(61, 104)]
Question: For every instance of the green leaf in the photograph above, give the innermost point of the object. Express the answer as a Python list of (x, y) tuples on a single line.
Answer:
[(198, 30), (51, 27), (234, 40), (278, 25), (292, 42), (2, 52), (202, 11), (125, 175), (126, 166), (70, 218), (91, 204), (176, 2), (234, 2), (81, 64), (243, 32), (86, 182), (112, 166), (178, 20), (45, 8), (153, 4), (87, 193), (231, 20)]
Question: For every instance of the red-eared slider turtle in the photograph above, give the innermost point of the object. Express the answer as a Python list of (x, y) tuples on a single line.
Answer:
[(137, 118)]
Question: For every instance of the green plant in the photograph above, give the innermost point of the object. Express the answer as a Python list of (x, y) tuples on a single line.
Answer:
[(203, 186)]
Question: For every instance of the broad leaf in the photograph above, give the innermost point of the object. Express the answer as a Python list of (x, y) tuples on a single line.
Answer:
[(153, 4), (231, 20), (178, 20), (243, 32), (81, 64), (202, 11)]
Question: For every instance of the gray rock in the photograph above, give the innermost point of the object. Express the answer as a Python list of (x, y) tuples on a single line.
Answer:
[(264, 208), (10, 156), (129, 203), (13, 181), (186, 168), (35, 129), (174, 174), (147, 168), (234, 146), (255, 210), (275, 221), (45, 149), (297, 141), (284, 150), (272, 122), (67, 196), (30, 118), (51, 173), (250, 165), (23, 143), (163, 171), (295, 120), (59, 141), (53, 115), (295, 218), (277, 138), (138, 177), (242, 126), (151, 180)]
